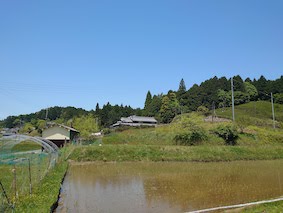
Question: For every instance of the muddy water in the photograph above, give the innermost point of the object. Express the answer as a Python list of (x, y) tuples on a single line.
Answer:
[(168, 187)]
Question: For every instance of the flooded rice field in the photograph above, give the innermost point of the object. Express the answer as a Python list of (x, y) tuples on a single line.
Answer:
[(168, 186)]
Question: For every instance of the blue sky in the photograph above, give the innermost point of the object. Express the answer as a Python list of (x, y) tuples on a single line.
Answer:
[(78, 53)]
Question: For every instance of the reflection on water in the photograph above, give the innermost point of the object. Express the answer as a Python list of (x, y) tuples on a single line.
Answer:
[(168, 187)]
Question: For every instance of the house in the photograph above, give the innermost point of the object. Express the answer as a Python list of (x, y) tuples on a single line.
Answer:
[(60, 134), (136, 121)]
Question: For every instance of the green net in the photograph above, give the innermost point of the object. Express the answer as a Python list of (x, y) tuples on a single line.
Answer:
[(24, 161)]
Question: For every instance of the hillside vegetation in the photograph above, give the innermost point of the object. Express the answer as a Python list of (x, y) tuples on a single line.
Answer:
[(258, 113), (254, 128), (212, 93)]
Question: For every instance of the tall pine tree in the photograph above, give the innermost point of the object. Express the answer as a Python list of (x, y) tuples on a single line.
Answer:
[(148, 99), (181, 92), (182, 86)]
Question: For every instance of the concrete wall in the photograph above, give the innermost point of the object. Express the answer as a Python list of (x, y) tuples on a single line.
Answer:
[(56, 133)]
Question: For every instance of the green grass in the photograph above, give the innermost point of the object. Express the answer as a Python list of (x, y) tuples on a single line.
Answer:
[(258, 113), (39, 164), (176, 153), (45, 194), (274, 207), (162, 135), (45, 185)]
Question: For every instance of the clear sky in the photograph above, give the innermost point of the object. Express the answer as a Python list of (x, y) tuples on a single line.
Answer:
[(78, 53)]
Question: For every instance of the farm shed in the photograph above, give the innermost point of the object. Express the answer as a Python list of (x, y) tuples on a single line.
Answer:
[(60, 134)]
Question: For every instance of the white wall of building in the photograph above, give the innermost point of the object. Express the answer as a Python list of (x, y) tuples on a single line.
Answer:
[(56, 133)]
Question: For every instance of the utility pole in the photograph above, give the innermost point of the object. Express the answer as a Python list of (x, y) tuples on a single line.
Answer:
[(46, 117), (273, 116), (233, 109), (46, 114)]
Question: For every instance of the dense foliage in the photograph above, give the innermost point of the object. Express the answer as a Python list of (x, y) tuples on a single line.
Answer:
[(192, 137), (215, 92), (228, 132)]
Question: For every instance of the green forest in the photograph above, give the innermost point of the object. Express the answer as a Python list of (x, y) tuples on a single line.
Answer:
[(214, 93), (210, 94)]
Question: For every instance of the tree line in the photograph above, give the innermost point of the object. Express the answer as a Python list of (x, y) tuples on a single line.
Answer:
[(215, 92), (86, 122)]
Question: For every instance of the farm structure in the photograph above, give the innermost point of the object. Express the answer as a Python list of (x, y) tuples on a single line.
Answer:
[(60, 134), (136, 121)]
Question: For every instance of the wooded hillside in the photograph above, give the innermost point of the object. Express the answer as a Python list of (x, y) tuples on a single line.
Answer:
[(212, 93), (215, 92)]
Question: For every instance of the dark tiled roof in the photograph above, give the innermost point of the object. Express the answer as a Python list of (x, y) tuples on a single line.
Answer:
[(126, 120), (135, 118)]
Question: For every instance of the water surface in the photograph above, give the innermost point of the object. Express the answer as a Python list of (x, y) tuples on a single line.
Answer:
[(168, 186)]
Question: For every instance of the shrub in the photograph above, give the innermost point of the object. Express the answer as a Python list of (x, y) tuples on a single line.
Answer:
[(228, 133), (203, 110), (192, 137), (121, 128), (106, 131)]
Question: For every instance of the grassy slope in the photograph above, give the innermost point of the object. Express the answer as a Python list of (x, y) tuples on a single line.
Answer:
[(251, 135), (162, 135), (258, 113)]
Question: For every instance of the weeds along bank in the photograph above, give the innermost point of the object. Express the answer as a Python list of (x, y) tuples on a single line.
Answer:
[(175, 153), (268, 207), (46, 194)]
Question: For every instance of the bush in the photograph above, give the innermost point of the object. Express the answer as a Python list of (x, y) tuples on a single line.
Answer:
[(228, 133), (203, 110), (106, 131), (193, 137), (121, 128)]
